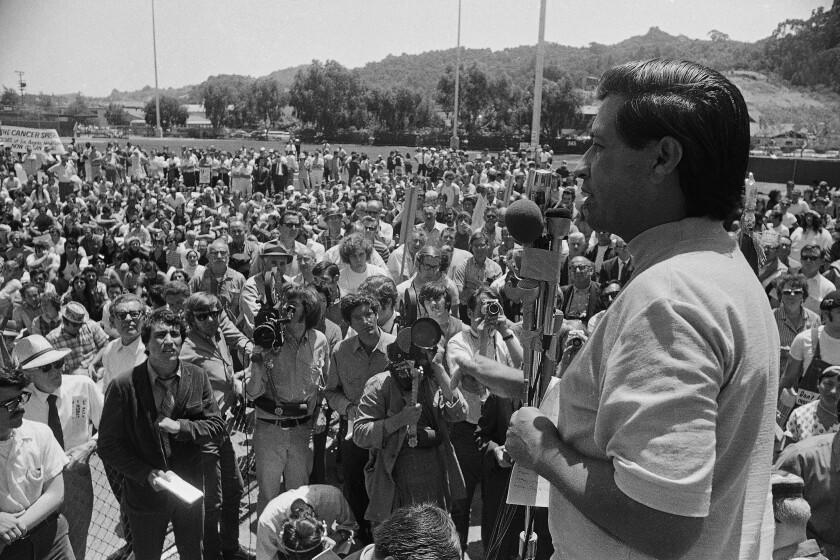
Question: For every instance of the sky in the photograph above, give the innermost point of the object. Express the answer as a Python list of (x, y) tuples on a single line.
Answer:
[(94, 46)]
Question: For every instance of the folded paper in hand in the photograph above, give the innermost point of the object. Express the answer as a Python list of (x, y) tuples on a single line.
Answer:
[(527, 488), (179, 487)]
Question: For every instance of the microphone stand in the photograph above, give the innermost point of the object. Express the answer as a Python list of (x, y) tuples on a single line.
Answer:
[(541, 322)]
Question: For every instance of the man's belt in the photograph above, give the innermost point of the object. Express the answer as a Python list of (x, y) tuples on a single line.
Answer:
[(287, 422), (288, 410)]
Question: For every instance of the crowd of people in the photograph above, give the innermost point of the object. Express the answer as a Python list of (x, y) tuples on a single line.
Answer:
[(137, 302), (149, 296)]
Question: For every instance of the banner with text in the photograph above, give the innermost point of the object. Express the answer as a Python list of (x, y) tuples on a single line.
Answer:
[(20, 139)]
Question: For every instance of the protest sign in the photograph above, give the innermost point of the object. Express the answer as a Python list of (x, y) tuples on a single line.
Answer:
[(19, 139), (203, 174)]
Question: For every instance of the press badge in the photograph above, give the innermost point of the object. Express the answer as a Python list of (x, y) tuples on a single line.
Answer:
[(79, 408)]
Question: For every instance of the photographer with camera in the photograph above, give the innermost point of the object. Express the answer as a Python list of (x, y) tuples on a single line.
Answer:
[(489, 335), (267, 282), (411, 457), (288, 372)]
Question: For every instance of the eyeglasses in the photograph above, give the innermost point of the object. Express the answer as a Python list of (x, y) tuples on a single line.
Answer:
[(54, 365), (12, 404), (429, 266), (204, 315), (811, 257), (217, 252), (580, 267), (792, 292), (292, 225), (371, 228), (123, 315)]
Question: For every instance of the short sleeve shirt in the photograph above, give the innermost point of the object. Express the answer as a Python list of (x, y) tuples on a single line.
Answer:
[(802, 350), (677, 388), (29, 459)]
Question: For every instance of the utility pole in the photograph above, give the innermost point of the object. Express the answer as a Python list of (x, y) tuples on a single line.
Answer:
[(454, 141), (538, 79), (21, 84), (158, 130)]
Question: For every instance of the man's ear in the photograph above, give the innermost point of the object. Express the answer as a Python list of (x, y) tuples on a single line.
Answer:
[(668, 153)]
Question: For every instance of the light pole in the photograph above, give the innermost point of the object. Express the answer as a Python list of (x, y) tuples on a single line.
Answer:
[(453, 142), (538, 78), (158, 130)]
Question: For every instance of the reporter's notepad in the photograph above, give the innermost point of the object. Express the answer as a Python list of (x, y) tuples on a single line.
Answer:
[(179, 488)]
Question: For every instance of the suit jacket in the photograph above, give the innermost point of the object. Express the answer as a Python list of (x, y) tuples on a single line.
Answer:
[(609, 272), (594, 305), (129, 440), (593, 252)]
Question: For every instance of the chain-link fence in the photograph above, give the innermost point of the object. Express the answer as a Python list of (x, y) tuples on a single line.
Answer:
[(105, 536)]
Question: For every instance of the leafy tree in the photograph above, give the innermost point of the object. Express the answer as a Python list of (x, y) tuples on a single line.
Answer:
[(115, 114), (216, 98), (267, 100), (328, 96), (473, 93), (560, 105), (9, 97), (398, 109), (78, 106), (172, 113)]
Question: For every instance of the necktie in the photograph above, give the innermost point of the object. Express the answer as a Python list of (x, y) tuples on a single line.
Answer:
[(167, 405), (53, 421), (620, 269)]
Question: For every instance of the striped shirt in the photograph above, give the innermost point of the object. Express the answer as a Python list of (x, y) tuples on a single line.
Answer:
[(789, 328)]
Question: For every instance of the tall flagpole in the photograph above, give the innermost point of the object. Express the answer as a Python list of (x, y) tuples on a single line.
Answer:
[(158, 130), (538, 79), (453, 142)]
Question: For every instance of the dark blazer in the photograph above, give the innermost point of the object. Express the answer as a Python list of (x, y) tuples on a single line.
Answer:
[(129, 439), (594, 306), (609, 272)]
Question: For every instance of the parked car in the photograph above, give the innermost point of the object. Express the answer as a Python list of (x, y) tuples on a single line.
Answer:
[(239, 134)]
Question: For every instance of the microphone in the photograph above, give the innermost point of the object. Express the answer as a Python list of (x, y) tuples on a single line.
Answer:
[(524, 221)]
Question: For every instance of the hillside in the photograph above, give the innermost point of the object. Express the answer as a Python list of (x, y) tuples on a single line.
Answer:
[(750, 65)]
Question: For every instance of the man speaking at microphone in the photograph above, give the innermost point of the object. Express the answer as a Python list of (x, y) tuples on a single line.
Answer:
[(663, 440)]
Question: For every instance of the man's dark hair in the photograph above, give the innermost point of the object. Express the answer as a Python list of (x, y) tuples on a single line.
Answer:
[(485, 291), (433, 291), (197, 302), (699, 108), (161, 316), (380, 287), (417, 532), (308, 298), (351, 301)]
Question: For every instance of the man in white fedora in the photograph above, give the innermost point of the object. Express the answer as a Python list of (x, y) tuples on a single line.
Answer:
[(71, 406)]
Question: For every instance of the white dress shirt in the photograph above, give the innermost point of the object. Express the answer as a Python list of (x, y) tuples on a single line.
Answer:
[(79, 406)]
